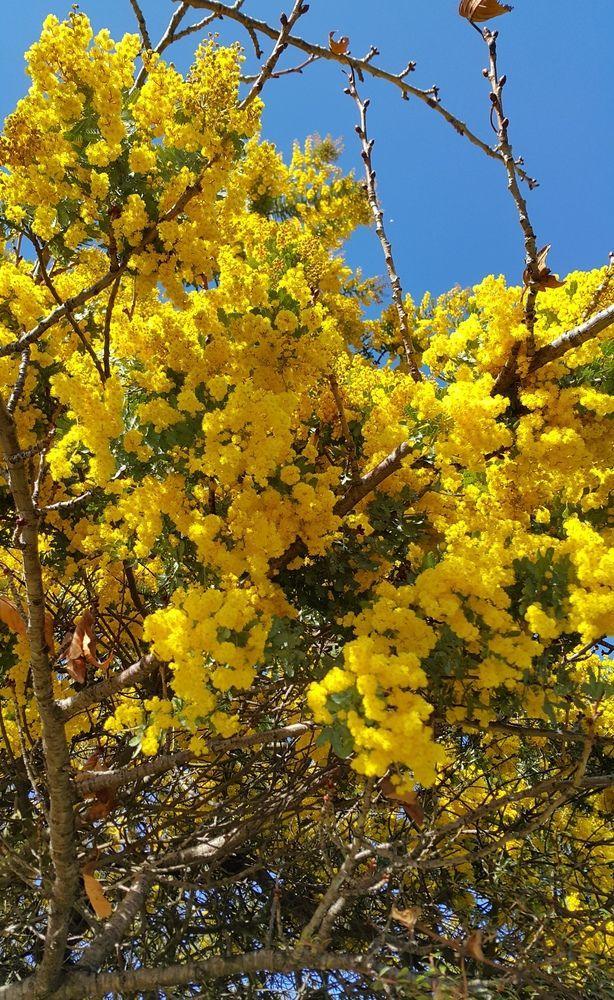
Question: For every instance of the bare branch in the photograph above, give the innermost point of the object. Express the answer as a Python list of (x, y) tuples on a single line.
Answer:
[(345, 428), (358, 490), (532, 269), (367, 144), (369, 482), (268, 67), (69, 312), (114, 273), (20, 382), (558, 348), (360, 66), (104, 689), (79, 985), (57, 760), (97, 780), (138, 13)]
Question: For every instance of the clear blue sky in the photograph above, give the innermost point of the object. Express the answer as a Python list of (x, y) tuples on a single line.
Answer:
[(450, 216)]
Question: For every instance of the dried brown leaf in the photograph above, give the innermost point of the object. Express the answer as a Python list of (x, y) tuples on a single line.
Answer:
[(545, 278), (103, 806), (11, 617), (340, 46), (95, 893), (82, 649), (408, 917), (483, 10), (473, 946), (77, 669), (409, 800)]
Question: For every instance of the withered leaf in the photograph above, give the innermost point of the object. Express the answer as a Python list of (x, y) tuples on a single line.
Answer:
[(340, 46), (102, 807), (483, 10), (409, 801), (82, 649), (10, 616), (408, 917), (473, 946), (545, 278), (95, 893)]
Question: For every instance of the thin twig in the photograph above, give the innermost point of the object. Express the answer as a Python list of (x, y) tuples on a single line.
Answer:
[(532, 270), (266, 71), (345, 427), (68, 310), (106, 351), (140, 18), (20, 381), (411, 356), (365, 65)]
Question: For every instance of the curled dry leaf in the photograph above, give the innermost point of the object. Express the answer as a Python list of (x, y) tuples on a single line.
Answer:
[(409, 801), (409, 917), (105, 799), (473, 946), (82, 649), (12, 618), (545, 278), (93, 763), (103, 806), (483, 10), (340, 46), (101, 905)]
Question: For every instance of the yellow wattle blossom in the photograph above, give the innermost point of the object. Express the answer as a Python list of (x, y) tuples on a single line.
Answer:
[(203, 423)]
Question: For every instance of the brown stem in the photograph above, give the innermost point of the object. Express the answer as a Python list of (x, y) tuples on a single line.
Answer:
[(345, 427), (568, 341), (57, 759), (409, 350), (140, 19), (79, 985), (281, 44), (93, 695), (70, 305), (68, 313), (360, 66), (99, 780), (497, 84)]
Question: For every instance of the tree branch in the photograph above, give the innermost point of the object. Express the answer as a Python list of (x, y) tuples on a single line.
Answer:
[(114, 273), (268, 67), (532, 270), (361, 66), (57, 759), (411, 356), (140, 18), (552, 352), (93, 695), (202, 973), (97, 780)]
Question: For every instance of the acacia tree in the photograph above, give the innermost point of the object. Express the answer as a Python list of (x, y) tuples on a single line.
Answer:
[(303, 656)]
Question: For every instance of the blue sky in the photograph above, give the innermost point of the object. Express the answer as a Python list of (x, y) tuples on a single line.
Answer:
[(448, 212)]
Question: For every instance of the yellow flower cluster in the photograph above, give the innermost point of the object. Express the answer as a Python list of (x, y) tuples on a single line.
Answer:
[(213, 640), (381, 673), (211, 405)]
